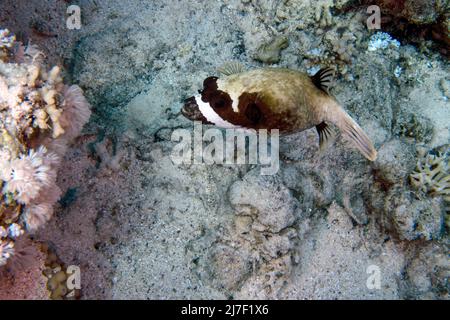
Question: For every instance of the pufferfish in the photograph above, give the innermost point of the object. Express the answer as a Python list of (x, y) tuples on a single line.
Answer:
[(275, 98)]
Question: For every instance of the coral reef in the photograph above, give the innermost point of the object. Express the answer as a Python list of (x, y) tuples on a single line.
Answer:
[(39, 117), (108, 160), (415, 11), (264, 196), (445, 87), (22, 277), (412, 126)]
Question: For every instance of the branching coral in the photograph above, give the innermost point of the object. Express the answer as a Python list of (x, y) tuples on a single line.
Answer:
[(39, 116), (323, 14), (432, 176)]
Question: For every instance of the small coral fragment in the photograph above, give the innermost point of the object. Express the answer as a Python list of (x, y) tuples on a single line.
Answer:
[(323, 14), (270, 52), (382, 40)]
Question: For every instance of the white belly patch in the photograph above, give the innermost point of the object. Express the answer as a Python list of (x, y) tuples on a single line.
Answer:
[(212, 116)]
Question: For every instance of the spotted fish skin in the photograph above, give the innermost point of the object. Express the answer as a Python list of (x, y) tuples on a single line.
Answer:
[(275, 98)]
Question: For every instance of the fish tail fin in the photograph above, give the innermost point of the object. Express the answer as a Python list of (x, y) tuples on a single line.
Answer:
[(353, 132)]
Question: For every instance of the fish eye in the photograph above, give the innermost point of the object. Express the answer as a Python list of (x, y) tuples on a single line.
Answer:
[(253, 113)]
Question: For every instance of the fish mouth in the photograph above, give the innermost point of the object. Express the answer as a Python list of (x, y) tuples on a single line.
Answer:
[(191, 110)]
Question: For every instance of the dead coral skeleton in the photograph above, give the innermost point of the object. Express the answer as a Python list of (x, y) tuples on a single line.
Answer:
[(39, 116)]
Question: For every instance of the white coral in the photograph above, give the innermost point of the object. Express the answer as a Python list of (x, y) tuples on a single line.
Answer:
[(382, 40)]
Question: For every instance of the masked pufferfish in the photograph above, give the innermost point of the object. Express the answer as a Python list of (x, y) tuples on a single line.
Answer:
[(275, 98)]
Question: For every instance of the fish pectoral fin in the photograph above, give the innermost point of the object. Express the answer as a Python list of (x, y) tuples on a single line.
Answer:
[(324, 79), (327, 135), (232, 67)]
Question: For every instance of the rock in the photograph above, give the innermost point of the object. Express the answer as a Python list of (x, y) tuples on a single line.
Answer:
[(427, 274), (228, 267), (415, 11), (275, 205), (414, 218), (277, 245), (395, 160)]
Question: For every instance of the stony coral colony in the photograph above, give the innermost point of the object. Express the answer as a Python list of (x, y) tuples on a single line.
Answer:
[(432, 176), (39, 116)]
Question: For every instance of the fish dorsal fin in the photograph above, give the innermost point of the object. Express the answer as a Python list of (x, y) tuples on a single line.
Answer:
[(323, 79), (230, 68)]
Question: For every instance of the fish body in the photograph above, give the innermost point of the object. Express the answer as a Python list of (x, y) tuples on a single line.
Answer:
[(275, 98)]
